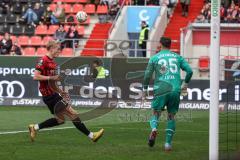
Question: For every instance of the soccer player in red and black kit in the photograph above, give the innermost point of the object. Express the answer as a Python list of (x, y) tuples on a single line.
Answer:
[(55, 98)]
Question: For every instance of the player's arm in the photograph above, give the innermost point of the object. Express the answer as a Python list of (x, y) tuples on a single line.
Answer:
[(52, 82), (39, 77), (148, 74), (185, 67), (38, 72), (54, 86)]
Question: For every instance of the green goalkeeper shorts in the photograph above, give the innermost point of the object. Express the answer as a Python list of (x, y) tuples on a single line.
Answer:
[(170, 100)]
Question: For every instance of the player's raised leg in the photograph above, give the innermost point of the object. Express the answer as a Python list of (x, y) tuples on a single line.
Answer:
[(60, 118), (153, 124), (74, 117), (33, 128), (55, 105), (94, 136)]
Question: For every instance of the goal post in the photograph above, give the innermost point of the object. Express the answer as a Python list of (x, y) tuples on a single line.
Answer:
[(214, 81)]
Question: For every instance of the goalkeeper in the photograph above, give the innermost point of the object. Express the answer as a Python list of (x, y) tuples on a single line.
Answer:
[(167, 88)]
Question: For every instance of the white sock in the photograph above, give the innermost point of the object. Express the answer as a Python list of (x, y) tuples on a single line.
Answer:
[(90, 135), (154, 129), (36, 127)]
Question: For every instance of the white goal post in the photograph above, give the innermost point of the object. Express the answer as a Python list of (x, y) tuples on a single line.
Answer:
[(214, 81)]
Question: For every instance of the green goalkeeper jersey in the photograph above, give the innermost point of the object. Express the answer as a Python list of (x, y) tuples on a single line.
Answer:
[(167, 67)]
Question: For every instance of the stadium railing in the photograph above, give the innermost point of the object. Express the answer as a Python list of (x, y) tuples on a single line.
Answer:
[(126, 47)]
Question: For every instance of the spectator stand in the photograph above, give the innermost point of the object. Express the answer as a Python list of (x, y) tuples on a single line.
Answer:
[(30, 37), (230, 13)]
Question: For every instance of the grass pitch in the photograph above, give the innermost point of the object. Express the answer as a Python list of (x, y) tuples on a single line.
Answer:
[(125, 138)]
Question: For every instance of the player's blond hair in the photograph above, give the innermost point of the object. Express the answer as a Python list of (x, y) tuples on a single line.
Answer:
[(51, 44)]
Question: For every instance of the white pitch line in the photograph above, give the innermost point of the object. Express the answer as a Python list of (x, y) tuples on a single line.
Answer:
[(13, 132), (62, 128), (26, 131)]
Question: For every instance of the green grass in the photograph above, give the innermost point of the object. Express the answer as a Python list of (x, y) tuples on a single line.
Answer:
[(125, 138)]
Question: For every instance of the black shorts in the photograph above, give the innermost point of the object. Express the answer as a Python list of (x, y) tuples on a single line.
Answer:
[(55, 103)]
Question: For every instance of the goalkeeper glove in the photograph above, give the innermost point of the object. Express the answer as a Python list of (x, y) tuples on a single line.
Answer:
[(144, 94), (184, 89)]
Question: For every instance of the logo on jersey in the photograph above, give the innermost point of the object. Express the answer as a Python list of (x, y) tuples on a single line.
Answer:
[(40, 62)]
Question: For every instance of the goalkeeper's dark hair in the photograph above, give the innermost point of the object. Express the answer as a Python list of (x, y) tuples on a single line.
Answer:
[(166, 42)]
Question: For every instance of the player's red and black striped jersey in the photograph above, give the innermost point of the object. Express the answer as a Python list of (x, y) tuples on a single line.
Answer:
[(47, 67)]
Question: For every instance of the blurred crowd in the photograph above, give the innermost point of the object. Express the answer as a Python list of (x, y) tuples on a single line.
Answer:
[(229, 12), (38, 13), (7, 47), (33, 14)]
